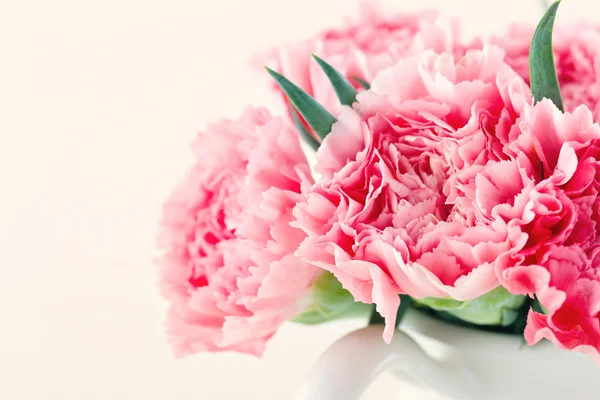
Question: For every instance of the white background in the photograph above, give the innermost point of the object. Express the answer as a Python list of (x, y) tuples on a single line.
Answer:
[(98, 102)]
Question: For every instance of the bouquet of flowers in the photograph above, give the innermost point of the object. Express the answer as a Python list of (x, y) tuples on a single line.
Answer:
[(458, 178)]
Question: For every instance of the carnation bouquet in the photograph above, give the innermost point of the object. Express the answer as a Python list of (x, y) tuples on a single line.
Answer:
[(407, 170)]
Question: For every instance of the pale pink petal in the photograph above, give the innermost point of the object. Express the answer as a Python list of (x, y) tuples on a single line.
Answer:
[(229, 271)]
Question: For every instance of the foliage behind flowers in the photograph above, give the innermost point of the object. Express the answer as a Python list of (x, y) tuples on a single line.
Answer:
[(442, 182)]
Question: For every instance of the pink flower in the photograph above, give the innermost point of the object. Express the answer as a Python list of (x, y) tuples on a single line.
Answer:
[(550, 198), (362, 48), (572, 301), (577, 58), (546, 194), (229, 269), (395, 210)]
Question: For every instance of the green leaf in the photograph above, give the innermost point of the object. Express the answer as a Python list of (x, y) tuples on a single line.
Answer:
[(440, 304), (544, 82), (343, 88), (317, 117), (515, 328), (537, 306), (406, 303), (376, 318), (362, 82), (304, 133), (328, 301), (497, 307)]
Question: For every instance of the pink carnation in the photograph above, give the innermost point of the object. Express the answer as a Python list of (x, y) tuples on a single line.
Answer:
[(229, 269), (365, 46), (577, 57), (572, 301), (395, 210), (550, 194)]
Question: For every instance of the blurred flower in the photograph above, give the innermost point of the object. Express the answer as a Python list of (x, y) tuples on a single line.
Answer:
[(229, 271), (363, 47), (577, 59)]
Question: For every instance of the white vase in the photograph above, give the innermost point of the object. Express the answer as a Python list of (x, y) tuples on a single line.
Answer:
[(463, 364)]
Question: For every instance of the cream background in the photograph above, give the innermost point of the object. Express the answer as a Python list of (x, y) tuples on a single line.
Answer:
[(98, 101)]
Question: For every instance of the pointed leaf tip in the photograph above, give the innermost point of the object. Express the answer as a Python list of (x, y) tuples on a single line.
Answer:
[(317, 117), (544, 82), (343, 88)]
